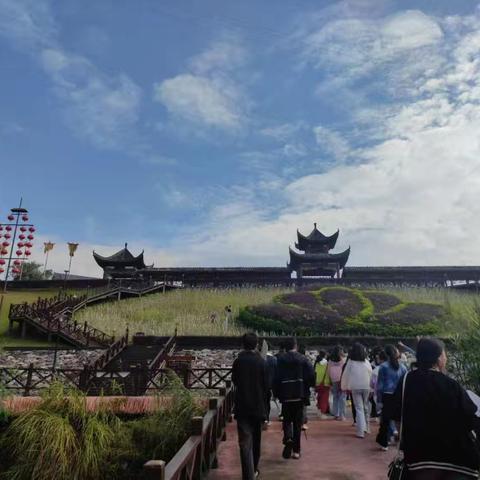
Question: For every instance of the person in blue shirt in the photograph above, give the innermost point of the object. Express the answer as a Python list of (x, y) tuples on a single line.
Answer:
[(389, 375)]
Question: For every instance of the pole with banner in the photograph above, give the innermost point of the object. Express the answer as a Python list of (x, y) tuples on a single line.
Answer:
[(72, 248), (47, 246)]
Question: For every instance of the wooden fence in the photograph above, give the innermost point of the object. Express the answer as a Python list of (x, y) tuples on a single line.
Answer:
[(133, 382), (199, 453)]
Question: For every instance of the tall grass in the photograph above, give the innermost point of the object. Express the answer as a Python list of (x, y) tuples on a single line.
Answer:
[(60, 439), (190, 310)]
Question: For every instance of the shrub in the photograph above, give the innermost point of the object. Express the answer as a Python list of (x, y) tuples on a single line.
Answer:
[(157, 436), (464, 358)]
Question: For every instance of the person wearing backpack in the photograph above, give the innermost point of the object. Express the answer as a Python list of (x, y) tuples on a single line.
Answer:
[(294, 377), (322, 383)]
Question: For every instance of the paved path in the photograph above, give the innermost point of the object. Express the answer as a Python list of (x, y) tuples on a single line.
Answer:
[(331, 452)]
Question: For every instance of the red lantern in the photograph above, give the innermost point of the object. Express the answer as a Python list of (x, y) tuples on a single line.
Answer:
[(29, 244), (19, 253), (31, 229), (2, 261), (15, 270), (11, 217), (30, 237), (25, 218), (17, 262), (28, 253), (5, 244), (22, 237), (3, 252), (8, 228), (7, 236), (1, 228), (23, 229), (1, 270), (20, 244)]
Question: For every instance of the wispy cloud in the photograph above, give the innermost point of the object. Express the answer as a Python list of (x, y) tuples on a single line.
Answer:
[(207, 95), (100, 107)]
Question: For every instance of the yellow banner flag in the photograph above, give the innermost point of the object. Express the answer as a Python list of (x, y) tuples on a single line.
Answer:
[(47, 246), (72, 248)]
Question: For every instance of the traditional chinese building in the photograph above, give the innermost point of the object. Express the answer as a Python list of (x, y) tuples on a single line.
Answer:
[(316, 259), (121, 264)]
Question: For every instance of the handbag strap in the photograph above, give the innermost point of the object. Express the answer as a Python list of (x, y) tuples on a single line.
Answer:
[(401, 414)]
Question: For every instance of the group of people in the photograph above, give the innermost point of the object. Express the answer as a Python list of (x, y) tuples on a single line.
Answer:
[(437, 417)]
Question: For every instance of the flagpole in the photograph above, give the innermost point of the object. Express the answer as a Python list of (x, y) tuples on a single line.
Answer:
[(45, 265)]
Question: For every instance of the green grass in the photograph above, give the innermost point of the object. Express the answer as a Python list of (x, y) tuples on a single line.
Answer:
[(189, 310), (20, 296)]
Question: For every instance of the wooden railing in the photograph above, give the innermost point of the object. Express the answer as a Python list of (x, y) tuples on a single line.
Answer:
[(112, 351), (199, 453), (54, 315), (133, 382), (160, 360)]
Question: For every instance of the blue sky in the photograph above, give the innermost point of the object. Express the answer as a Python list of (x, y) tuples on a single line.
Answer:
[(207, 131)]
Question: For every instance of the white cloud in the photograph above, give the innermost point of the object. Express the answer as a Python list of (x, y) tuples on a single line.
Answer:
[(103, 108), (332, 143), (411, 197), (226, 54), (282, 132), (408, 30), (201, 100), (357, 46), (208, 95)]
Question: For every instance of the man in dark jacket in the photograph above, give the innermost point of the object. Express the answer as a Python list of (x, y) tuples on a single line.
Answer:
[(295, 376), (250, 377)]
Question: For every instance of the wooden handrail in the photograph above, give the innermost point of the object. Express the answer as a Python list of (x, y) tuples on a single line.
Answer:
[(199, 452)]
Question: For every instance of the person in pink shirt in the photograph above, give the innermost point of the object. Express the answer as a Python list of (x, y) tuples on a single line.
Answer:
[(336, 362)]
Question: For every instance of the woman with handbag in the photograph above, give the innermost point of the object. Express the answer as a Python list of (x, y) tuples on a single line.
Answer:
[(437, 420)]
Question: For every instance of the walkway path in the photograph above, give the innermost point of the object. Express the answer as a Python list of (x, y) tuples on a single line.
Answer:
[(331, 452)]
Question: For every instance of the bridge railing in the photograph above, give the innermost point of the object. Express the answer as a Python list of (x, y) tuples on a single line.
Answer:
[(32, 380)]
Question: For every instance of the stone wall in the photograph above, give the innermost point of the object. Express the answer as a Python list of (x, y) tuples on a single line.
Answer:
[(44, 358)]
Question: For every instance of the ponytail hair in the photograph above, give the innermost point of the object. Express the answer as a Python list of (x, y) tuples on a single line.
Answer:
[(392, 355)]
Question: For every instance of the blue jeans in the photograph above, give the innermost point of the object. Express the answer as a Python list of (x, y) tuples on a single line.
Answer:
[(339, 400), (362, 409)]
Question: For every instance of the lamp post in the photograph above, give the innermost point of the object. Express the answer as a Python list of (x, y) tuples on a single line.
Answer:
[(17, 225)]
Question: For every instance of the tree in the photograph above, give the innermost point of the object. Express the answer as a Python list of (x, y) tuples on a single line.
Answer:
[(34, 271)]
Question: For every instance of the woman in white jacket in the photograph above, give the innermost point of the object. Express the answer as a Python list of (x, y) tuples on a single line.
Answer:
[(356, 378)]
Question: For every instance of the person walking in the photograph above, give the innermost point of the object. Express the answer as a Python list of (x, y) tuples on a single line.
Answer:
[(322, 383), (389, 374), (271, 369), (379, 358), (293, 380), (356, 379), (250, 378), (334, 371), (438, 419)]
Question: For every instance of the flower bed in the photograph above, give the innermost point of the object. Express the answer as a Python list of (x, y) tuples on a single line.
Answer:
[(341, 310)]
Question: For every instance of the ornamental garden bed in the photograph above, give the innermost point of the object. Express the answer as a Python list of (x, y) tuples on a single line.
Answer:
[(341, 310)]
